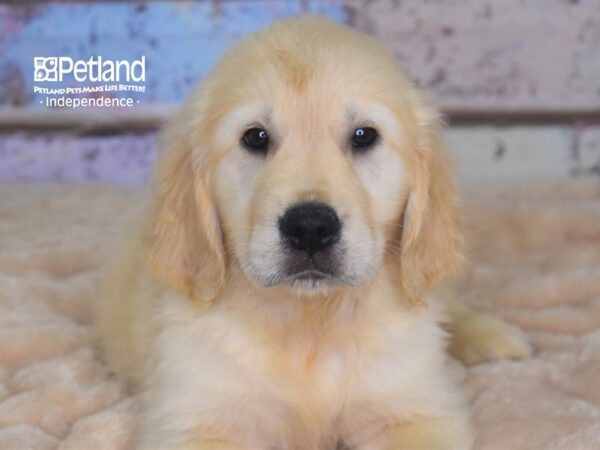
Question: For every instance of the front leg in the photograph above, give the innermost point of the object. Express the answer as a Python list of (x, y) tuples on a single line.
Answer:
[(172, 416), (204, 444), (422, 434), (176, 436)]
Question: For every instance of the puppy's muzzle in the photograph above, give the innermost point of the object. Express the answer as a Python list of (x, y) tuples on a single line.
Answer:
[(310, 227)]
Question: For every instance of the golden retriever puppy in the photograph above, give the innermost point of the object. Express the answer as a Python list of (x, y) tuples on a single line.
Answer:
[(274, 297)]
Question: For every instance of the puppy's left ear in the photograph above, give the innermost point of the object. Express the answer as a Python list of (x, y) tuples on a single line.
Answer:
[(183, 244), (432, 242)]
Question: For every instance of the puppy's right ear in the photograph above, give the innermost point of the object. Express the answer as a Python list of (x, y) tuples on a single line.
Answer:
[(182, 242)]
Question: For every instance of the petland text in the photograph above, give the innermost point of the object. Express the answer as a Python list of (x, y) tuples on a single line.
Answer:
[(95, 69)]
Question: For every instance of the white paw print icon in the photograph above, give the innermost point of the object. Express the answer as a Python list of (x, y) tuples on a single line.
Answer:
[(45, 69)]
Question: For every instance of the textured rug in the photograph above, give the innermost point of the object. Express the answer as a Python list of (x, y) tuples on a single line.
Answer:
[(536, 262)]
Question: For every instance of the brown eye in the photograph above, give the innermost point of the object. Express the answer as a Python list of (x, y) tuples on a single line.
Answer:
[(364, 138), (256, 140)]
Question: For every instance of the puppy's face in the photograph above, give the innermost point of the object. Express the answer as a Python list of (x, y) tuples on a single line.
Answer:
[(306, 157), (313, 177), (311, 182)]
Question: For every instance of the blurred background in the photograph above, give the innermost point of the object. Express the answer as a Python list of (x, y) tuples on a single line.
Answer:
[(518, 80)]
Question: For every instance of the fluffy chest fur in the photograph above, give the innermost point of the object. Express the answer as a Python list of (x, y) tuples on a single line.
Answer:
[(307, 375)]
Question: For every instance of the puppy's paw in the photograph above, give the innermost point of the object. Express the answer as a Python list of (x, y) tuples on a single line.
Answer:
[(478, 338), (451, 433)]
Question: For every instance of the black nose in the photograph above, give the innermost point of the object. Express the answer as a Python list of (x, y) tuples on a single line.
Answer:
[(310, 227)]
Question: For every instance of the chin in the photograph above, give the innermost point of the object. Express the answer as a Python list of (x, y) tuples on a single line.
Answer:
[(311, 283)]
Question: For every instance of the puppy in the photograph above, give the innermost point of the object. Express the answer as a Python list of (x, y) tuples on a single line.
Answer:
[(274, 296)]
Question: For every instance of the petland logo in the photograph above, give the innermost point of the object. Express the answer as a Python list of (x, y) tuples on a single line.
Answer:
[(95, 69), (95, 82)]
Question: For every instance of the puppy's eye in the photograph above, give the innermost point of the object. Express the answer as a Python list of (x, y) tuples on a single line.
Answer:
[(256, 140), (364, 138)]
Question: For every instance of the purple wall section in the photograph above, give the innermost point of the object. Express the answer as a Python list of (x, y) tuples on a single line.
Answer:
[(124, 159)]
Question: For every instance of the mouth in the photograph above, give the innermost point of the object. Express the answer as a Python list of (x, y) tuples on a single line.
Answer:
[(310, 279), (314, 275)]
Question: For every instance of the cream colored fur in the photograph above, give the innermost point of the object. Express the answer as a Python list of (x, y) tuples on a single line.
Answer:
[(223, 362)]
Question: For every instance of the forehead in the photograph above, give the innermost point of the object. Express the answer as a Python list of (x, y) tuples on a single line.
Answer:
[(309, 58), (288, 81), (285, 95), (316, 85)]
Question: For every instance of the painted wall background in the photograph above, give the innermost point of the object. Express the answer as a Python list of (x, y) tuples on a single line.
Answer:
[(519, 79), (181, 40)]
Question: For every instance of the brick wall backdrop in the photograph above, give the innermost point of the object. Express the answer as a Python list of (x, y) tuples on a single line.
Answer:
[(519, 80)]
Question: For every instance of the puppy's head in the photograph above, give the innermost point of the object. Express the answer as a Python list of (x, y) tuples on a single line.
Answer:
[(307, 159)]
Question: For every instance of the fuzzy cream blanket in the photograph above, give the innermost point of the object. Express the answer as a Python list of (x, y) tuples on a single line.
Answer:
[(536, 262)]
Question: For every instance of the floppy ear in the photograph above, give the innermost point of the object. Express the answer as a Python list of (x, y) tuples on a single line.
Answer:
[(432, 241), (183, 244)]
